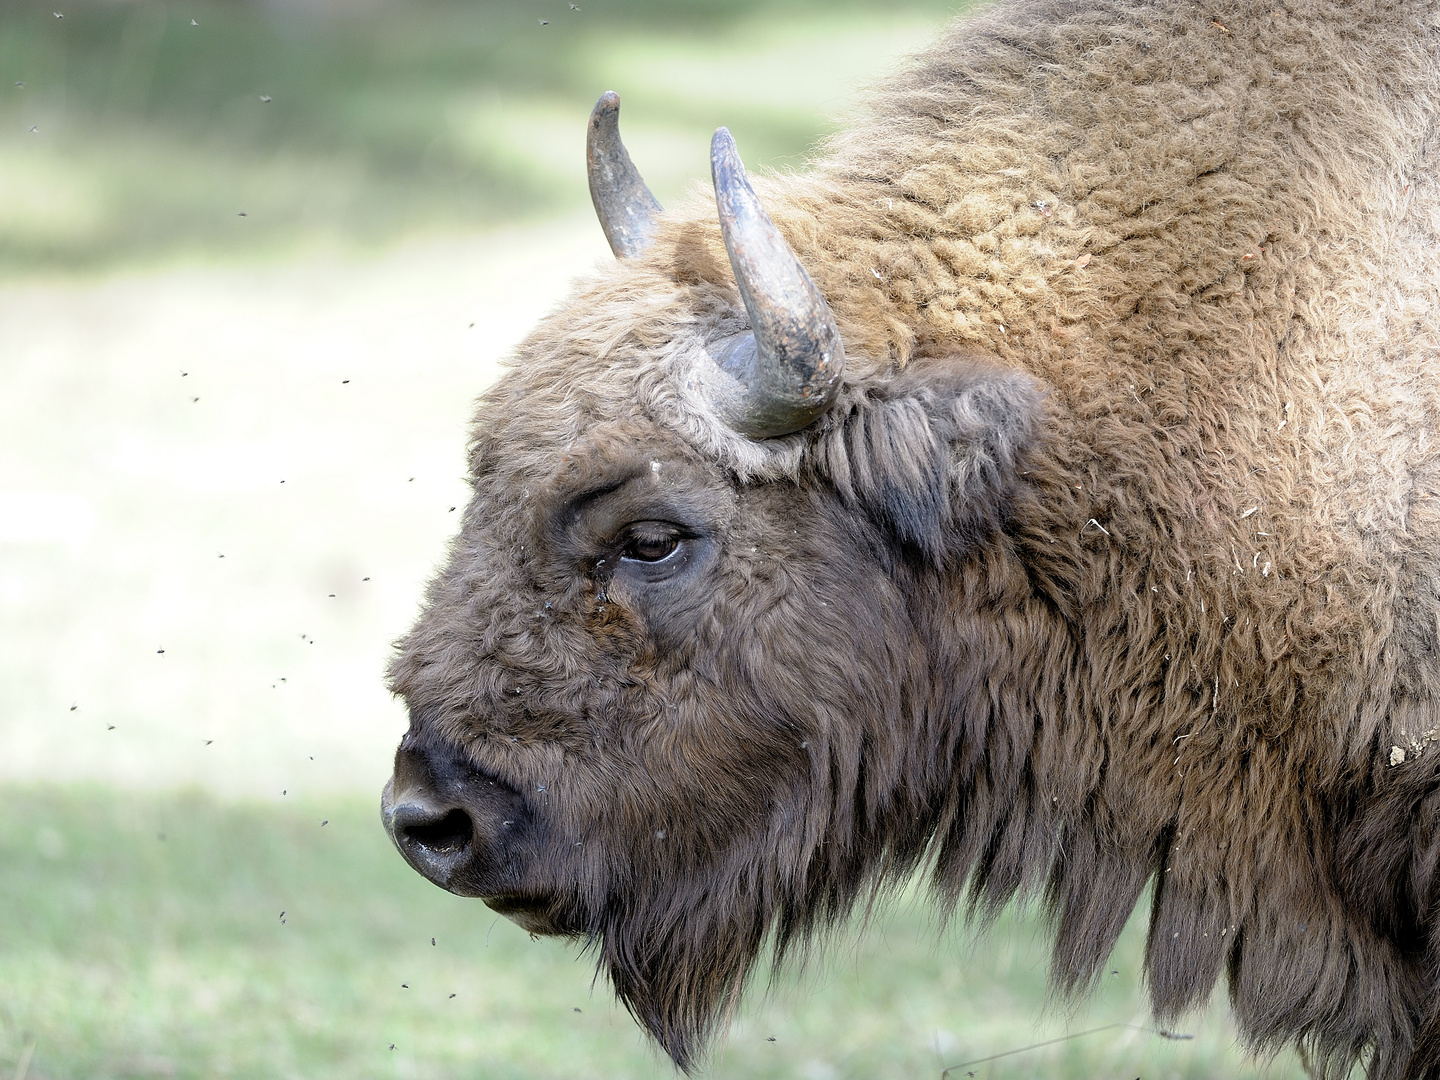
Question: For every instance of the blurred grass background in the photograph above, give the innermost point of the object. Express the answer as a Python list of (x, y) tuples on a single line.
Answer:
[(135, 131), (230, 451), (176, 936)]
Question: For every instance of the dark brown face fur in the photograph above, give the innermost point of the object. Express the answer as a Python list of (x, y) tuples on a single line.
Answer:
[(661, 710)]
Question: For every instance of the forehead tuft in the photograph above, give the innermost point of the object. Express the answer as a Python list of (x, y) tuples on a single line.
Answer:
[(627, 353)]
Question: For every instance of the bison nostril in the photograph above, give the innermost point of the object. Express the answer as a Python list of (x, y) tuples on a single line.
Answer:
[(448, 835), (453, 825), (438, 841)]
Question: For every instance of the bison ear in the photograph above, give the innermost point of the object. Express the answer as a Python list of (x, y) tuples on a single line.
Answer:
[(932, 455)]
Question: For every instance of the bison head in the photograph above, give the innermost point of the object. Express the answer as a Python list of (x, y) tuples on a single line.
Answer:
[(678, 690)]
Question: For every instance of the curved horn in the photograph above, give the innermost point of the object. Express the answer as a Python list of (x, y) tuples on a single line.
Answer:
[(789, 366), (623, 203)]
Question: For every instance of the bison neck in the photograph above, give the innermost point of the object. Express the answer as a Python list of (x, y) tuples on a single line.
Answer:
[(1116, 715)]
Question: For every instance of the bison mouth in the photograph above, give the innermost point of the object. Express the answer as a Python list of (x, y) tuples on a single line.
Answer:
[(445, 846), (468, 832), (535, 914)]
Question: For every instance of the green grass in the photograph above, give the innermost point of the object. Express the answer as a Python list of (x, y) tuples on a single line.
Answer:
[(143, 937), (150, 135)]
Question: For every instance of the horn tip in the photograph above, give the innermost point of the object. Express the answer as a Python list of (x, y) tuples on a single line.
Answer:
[(607, 108), (724, 157)]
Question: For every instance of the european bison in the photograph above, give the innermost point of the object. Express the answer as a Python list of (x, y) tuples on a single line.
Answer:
[(1045, 495)]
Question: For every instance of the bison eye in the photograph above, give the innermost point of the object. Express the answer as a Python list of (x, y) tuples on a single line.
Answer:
[(650, 546)]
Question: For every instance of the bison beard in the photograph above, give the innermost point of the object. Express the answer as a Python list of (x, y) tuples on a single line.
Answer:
[(1045, 498)]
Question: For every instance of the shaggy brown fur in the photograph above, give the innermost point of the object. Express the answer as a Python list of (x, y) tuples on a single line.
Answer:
[(1117, 561)]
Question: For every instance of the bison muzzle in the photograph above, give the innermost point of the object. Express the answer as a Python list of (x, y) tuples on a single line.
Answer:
[(1040, 492)]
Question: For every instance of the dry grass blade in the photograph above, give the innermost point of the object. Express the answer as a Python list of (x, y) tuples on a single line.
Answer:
[(23, 1065), (1064, 1038)]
